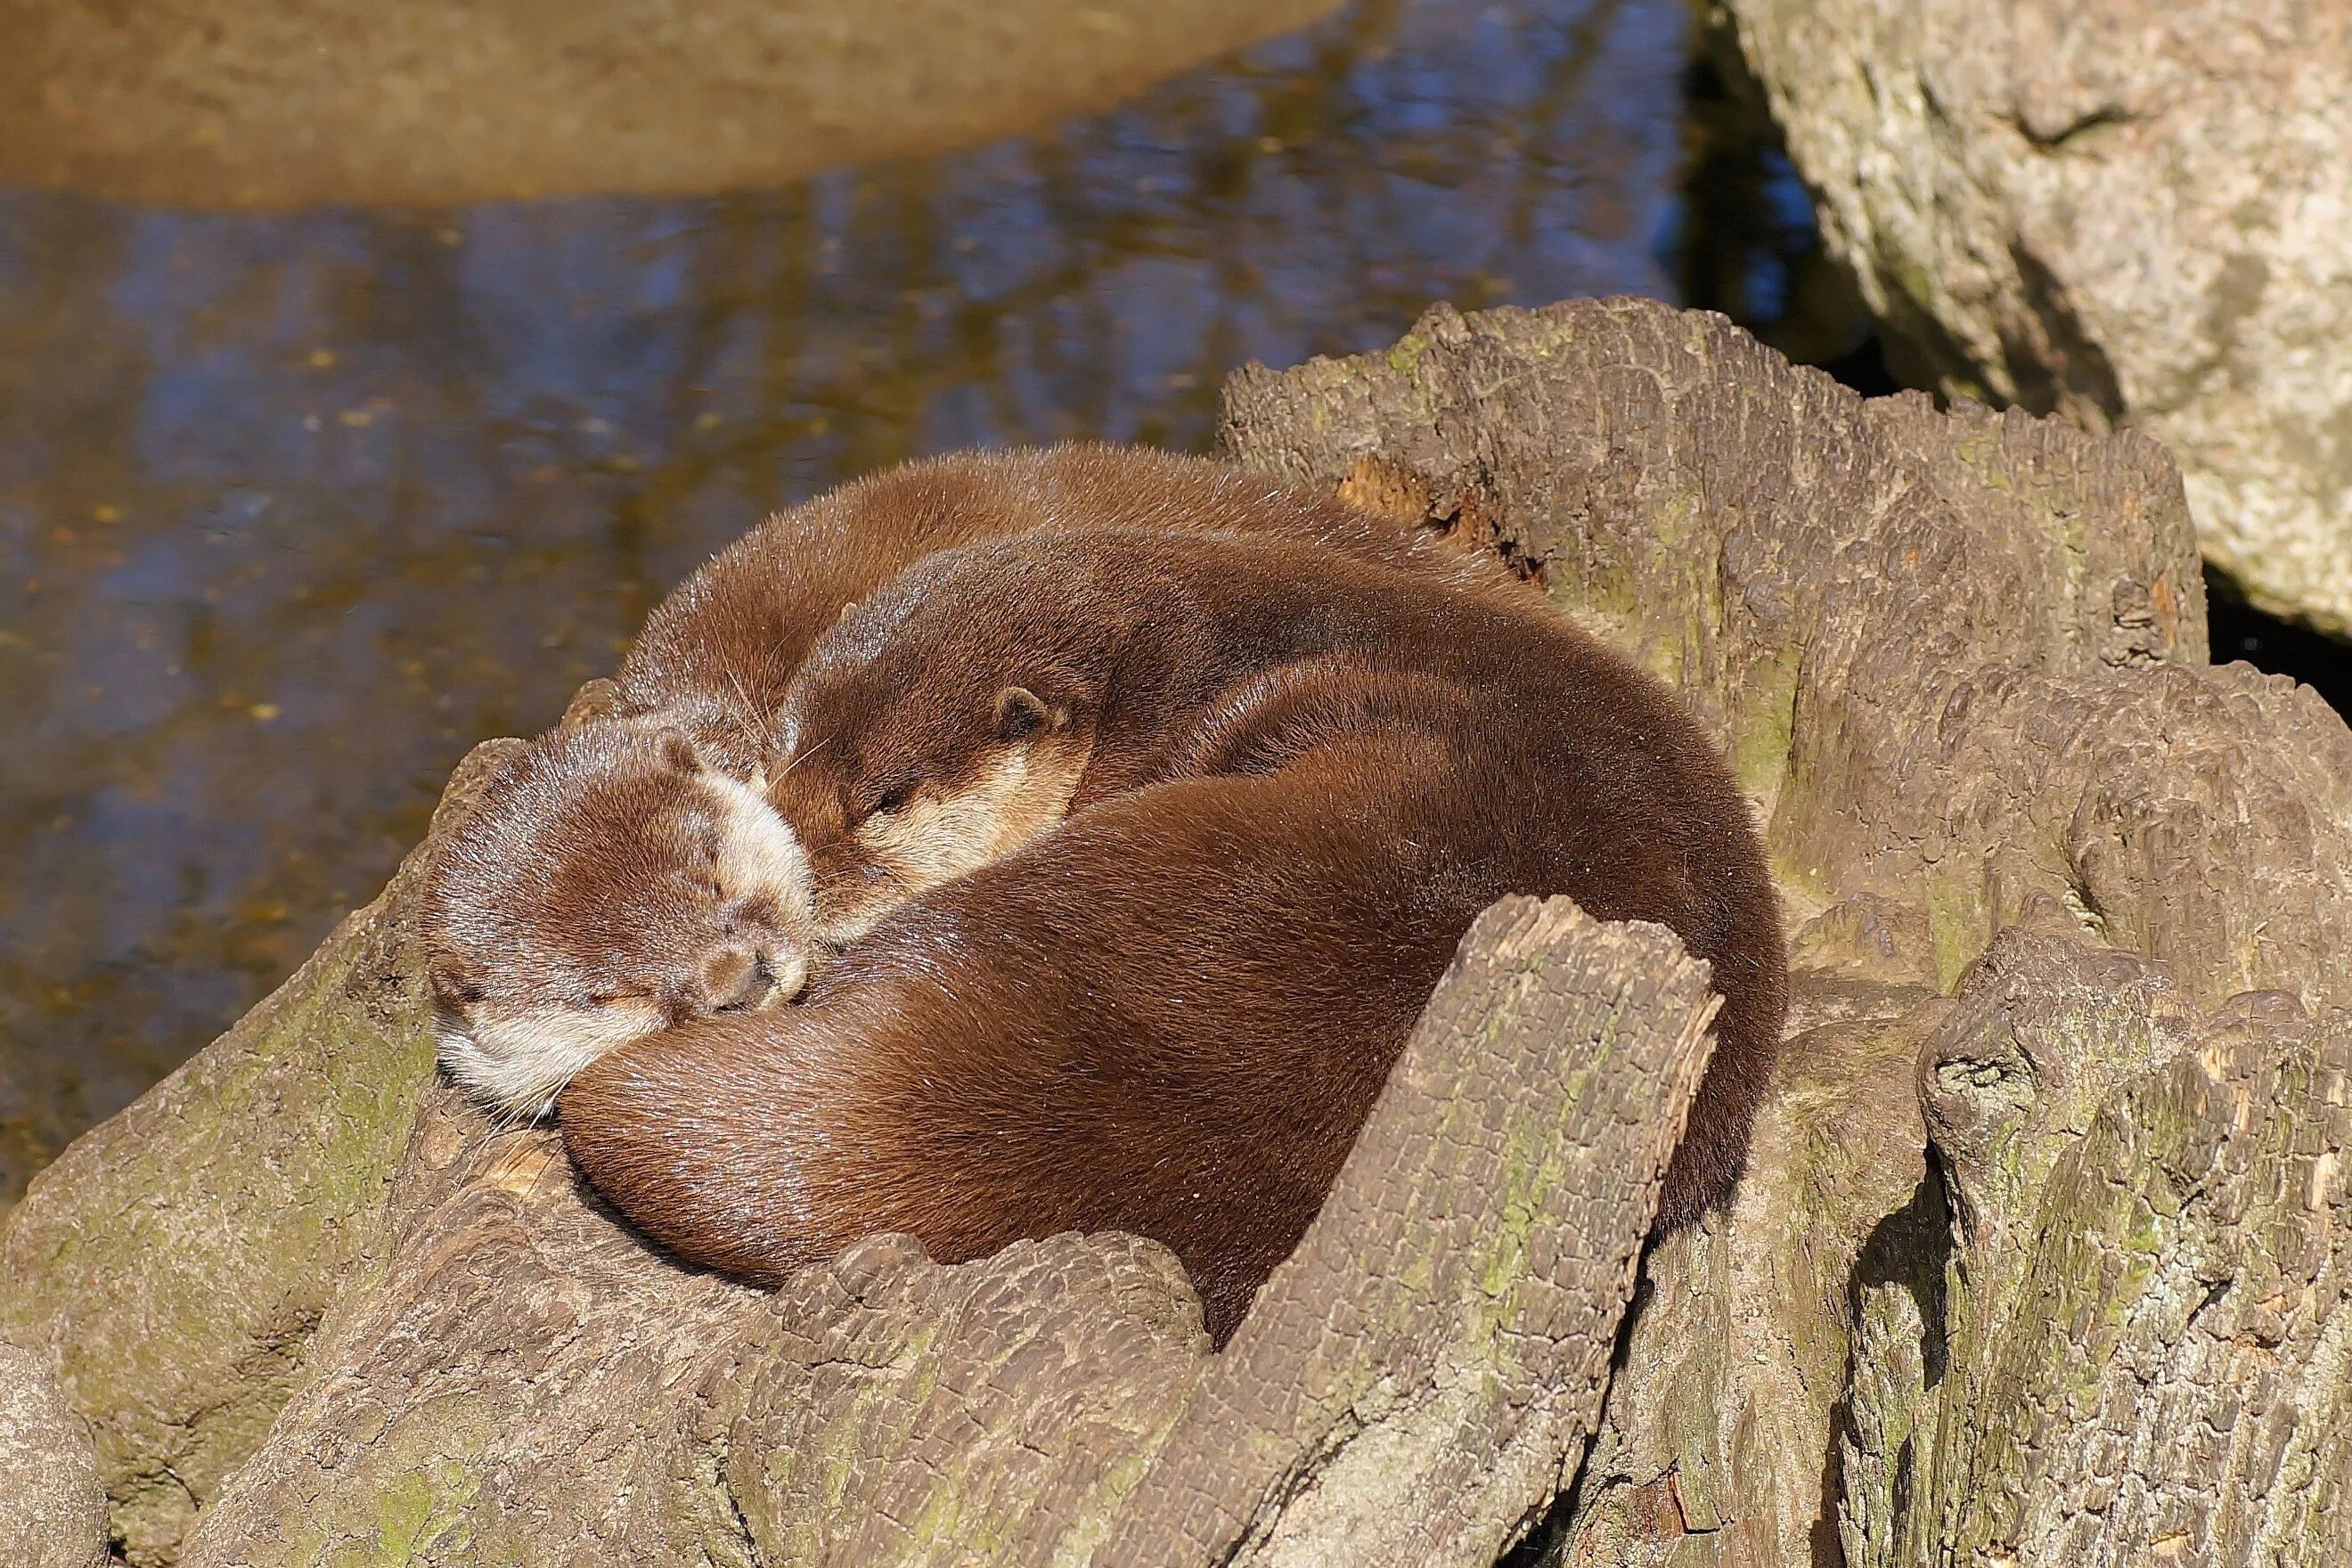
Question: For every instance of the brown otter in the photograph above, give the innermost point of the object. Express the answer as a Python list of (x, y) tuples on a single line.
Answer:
[(522, 1010), (1292, 780), (717, 655), (697, 899), (993, 687)]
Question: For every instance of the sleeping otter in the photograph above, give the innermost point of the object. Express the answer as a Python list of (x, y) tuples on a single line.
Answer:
[(520, 1011), (992, 687), (696, 900), (1291, 780), (715, 657)]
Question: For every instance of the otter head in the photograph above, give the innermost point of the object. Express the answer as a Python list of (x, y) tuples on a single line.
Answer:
[(607, 885), (935, 727)]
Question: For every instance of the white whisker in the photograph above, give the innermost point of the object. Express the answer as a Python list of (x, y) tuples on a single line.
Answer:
[(801, 758)]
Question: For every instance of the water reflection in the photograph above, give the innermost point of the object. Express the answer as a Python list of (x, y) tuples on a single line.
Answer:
[(235, 103), (295, 508), (1745, 241)]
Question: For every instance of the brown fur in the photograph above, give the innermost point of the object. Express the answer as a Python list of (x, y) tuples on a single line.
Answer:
[(1299, 778), (567, 914), (696, 900), (718, 655)]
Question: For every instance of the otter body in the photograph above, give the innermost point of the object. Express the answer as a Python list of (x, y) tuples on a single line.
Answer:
[(547, 940), (991, 688), (1259, 792)]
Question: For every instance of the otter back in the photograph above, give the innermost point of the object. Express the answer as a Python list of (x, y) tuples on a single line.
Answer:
[(717, 654)]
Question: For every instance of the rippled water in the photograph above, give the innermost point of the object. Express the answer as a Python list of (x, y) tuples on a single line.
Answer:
[(294, 508)]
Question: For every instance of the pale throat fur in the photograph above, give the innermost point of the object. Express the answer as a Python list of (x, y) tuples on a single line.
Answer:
[(946, 828)]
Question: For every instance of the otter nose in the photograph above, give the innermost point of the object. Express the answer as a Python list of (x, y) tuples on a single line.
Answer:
[(735, 981)]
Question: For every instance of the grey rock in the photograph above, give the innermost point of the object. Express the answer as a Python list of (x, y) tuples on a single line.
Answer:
[(2129, 212)]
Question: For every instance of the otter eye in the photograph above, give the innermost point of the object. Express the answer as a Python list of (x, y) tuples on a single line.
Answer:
[(451, 985), (890, 802)]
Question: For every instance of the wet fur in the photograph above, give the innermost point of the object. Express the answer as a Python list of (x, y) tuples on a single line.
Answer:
[(1170, 1014)]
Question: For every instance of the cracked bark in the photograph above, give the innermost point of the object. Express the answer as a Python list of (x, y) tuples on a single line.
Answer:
[(2040, 1255)]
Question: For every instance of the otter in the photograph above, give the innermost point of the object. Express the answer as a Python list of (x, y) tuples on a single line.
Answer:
[(520, 1007), (993, 687), (526, 990), (696, 900), (1149, 850), (715, 656)]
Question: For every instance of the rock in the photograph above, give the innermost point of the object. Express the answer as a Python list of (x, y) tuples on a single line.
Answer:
[(52, 1509), (2129, 212)]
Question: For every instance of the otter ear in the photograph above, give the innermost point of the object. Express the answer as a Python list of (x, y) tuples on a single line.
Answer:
[(680, 753), (1020, 713)]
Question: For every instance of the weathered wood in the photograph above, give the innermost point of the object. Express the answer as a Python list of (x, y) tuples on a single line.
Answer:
[(2148, 1325), (502, 1390), (900, 1413), (1416, 1383)]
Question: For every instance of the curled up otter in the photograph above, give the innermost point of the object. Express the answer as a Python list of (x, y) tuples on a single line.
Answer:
[(1135, 856), (584, 903)]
